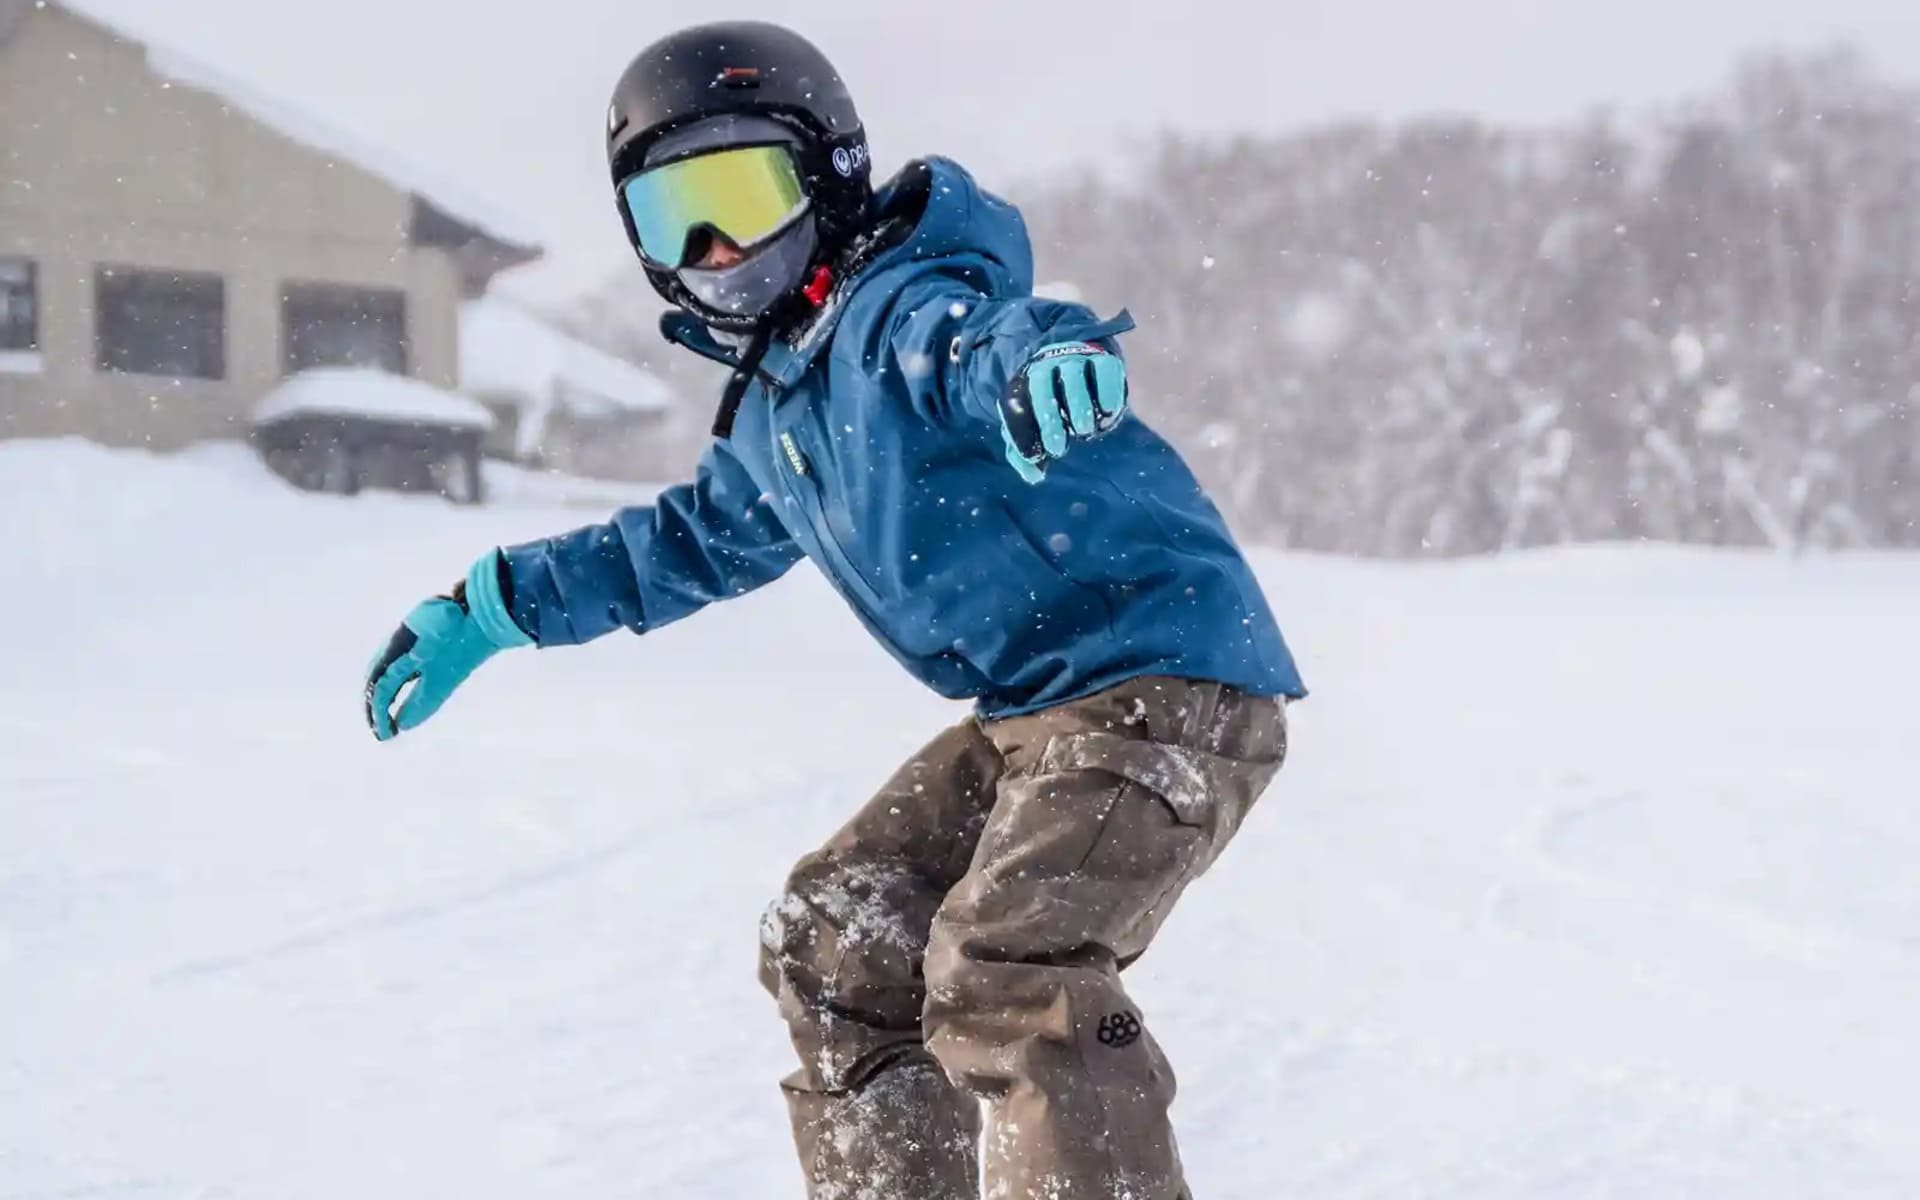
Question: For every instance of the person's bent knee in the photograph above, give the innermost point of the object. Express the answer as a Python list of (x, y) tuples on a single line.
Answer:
[(847, 937)]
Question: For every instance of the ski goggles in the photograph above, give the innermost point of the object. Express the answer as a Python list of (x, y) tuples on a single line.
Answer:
[(746, 194)]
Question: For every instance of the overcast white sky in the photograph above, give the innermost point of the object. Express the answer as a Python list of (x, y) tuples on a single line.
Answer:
[(507, 99)]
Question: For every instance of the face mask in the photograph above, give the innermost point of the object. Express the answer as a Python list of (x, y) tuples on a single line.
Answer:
[(771, 271)]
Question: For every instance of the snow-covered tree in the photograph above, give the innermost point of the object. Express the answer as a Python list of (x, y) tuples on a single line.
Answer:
[(1444, 338)]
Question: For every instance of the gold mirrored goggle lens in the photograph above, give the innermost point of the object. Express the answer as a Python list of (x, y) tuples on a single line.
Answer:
[(745, 193)]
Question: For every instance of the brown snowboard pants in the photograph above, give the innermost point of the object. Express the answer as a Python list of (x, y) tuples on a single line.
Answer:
[(957, 946)]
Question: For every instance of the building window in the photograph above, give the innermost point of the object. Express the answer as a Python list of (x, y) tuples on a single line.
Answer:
[(168, 323), (19, 307), (327, 325)]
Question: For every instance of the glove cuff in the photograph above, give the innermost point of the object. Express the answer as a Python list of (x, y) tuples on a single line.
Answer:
[(487, 605)]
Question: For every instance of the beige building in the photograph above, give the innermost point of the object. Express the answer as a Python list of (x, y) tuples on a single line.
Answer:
[(171, 248)]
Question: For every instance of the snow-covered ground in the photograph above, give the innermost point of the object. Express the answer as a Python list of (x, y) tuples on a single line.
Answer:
[(1596, 873)]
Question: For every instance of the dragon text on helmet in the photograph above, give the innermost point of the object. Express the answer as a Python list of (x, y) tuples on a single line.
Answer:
[(848, 159)]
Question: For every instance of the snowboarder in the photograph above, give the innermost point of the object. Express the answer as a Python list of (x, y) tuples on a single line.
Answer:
[(958, 458)]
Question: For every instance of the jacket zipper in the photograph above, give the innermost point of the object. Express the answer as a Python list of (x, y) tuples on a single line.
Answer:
[(868, 597)]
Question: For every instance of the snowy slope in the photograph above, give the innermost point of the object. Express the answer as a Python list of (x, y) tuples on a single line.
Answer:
[(1593, 875)]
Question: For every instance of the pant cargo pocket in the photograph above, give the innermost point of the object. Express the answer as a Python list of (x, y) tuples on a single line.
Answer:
[(1196, 787)]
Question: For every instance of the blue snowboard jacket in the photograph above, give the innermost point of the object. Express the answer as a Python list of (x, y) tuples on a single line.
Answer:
[(873, 447)]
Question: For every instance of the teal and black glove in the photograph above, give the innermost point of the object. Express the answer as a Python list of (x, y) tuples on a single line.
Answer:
[(438, 646), (1067, 390)]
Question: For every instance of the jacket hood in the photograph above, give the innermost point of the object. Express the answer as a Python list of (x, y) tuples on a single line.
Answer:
[(958, 217)]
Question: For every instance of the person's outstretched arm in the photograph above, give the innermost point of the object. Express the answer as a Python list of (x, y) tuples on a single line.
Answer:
[(1043, 373), (648, 566)]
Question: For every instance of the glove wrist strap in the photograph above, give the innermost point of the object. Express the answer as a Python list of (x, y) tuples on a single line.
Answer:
[(488, 606)]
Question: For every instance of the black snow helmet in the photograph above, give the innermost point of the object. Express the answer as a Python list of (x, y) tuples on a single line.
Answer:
[(700, 88)]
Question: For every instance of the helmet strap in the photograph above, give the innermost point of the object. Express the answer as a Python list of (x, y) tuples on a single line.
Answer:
[(743, 373)]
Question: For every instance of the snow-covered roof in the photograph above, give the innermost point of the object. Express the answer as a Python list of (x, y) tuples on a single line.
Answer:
[(304, 127), (507, 351), (369, 395)]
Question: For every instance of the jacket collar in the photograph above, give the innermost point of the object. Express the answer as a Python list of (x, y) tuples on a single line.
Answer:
[(684, 329)]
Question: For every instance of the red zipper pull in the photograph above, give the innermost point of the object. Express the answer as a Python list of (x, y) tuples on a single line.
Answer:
[(817, 290)]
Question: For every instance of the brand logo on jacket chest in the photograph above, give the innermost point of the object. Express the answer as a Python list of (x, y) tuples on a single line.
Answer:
[(792, 451)]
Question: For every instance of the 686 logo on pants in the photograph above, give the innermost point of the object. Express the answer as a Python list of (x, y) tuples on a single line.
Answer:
[(1119, 1030)]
